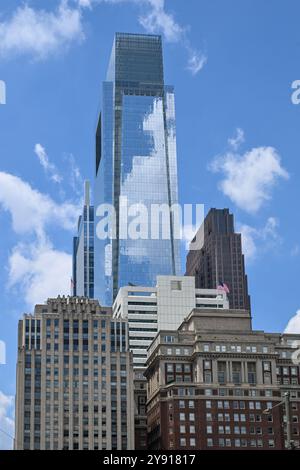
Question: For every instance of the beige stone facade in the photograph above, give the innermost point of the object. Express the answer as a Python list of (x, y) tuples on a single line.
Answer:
[(210, 382), (74, 378)]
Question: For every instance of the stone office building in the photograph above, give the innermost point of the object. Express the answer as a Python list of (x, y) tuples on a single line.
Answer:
[(74, 378), (210, 381)]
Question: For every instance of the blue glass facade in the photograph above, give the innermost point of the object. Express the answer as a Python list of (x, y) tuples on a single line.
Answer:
[(135, 159), (83, 252)]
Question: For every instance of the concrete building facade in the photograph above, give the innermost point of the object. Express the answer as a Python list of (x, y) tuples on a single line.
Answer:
[(151, 309), (74, 378)]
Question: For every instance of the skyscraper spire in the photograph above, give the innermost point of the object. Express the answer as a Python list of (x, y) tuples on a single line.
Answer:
[(87, 193), (82, 282)]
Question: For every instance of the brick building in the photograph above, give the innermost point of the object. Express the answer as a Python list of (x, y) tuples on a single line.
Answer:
[(210, 382)]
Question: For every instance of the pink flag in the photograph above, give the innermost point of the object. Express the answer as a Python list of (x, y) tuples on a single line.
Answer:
[(222, 286)]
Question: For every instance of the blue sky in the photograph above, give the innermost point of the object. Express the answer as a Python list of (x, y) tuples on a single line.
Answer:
[(232, 64)]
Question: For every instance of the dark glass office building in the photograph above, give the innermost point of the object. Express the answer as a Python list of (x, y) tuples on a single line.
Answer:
[(219, 258), (135, 159)]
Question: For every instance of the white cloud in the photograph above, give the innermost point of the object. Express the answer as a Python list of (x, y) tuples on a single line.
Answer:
[(2, 92), (157, 20), (236, 141), (293, 325), (75, 178), (248, 241), (90, 3), (32, 211), (40, 32), (6, 421), (36, 268), (249, 178), (85, 3), (196, 61), (39, 271), (49, 167), (295, 251), (257, 240)]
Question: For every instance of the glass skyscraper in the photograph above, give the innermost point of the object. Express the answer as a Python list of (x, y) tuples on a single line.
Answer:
[(135, 159)]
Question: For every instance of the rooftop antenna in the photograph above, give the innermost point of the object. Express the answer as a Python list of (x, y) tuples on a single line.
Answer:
[(87, 191)]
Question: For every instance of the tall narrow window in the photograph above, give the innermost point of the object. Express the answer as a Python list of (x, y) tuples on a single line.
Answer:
[(222, 375), (251, 373), (236, 373)]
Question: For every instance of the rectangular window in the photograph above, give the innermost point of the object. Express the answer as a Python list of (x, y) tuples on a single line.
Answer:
[(236, 372), (222, 377), (251, 372), (176, 285)]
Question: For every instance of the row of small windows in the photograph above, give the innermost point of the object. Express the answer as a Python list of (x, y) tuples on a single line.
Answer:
[(75, 359), (178, 351), (237, 417), (223, 347), (236, 374), (224, 392), (75, 323), (223, 375), (226, 405), (237, 430), (239, 443), (238, 392), (287, 370), (234, 348), (75, 346)]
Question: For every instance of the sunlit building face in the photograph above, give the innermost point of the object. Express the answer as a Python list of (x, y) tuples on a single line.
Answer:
[(135, 161)]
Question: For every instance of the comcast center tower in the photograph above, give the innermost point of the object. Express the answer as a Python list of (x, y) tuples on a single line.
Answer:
[(136, 169)]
